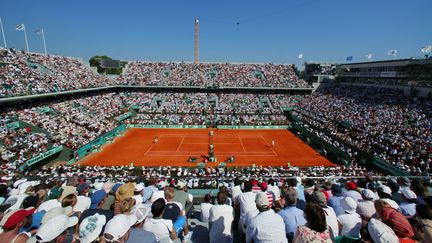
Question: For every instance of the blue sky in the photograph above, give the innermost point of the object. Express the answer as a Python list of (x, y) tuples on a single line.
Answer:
[(268, 31)]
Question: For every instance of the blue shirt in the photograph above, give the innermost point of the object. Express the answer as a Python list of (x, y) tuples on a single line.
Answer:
[(335, 203), (292, 217)]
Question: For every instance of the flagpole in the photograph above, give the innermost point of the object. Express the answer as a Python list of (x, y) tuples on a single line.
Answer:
[(25, 36), (43, 38), (4, 38)]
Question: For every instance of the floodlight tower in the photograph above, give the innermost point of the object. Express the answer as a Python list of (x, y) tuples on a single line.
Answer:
[(196, 52)]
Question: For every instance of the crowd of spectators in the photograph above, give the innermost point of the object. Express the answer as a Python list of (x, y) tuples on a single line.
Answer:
[(382, 122), (24, 73), (247, 204), (213, 75)]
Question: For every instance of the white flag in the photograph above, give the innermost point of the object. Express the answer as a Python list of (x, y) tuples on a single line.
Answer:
[(369, 56), (392, 53), (19, 27), (300, 56), (426, 49)]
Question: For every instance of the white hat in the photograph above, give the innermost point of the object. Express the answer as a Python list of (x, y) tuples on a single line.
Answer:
[(98, 185), (140, 212), (385, 189), (380, 232), (391, 202), (181, 184), (349, 204), (91, 227), (368, 194), (139, 187), (18, 182), (55, 227), (82, 204), (409, 194), (118, 226), (56, 212), (262, 200)]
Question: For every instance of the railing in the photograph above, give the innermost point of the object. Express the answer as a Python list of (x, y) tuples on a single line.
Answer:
[(40, 157)]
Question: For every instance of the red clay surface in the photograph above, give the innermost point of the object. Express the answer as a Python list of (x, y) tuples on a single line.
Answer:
[(175, 146)]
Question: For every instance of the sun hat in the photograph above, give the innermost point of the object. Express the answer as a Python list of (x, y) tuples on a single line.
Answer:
[(385, 189), (91, 227), (36, 221), (67, 190), (409, 194), (368, 194), (54, 193), (55, 227), (380, 232), (139, 187), (125, 191), (140, 212), (118, 226), (319, 197), (349, 205), (56, 212)]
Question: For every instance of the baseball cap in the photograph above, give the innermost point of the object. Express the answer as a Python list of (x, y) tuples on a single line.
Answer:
[(55, 227), (14, 217), (96, 198), (36, 221), (319, 198), (349, 205), (262, 200), (56, 212), (368, 194), (81, 187), (91, 227), (409, 194), (380, 232), (351, 185), (336, 190), (118, 226), (140, 212)]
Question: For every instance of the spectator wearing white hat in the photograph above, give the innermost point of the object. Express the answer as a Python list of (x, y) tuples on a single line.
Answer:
[(366, 207), (139, 188), (220, 220), (118, 228), (137, 233), (408, 204), (267, 226), (350, 222), (91, 227), (56, 228)]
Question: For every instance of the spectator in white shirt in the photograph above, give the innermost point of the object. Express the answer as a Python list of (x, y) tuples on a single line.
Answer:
[(163, 229), (331, 219), (267, 226), (220, 220), (350, 222), (205, 208)]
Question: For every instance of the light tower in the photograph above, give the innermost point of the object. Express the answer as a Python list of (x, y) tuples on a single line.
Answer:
[(196, 51)]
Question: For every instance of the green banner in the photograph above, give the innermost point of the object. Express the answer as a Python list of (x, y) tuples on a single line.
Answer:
[(124, 116), (85, 149), (40, 157), (13, 125)]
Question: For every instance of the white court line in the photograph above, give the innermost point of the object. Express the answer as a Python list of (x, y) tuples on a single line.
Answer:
[(180, 144), (217, 154), (241, 141)]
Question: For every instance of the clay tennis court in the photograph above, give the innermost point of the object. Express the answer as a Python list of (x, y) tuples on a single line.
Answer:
[(175, 146)]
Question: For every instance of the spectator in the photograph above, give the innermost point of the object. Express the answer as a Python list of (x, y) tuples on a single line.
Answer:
[(335, 200), (350, 222), (316, 229), (267, 226), (118, 228), (331, 219), (394, 219), (292, 216), (12, 222), (137, 234), (366, 207), (163, 229), (205, 208), (220, 220), (91, 228)]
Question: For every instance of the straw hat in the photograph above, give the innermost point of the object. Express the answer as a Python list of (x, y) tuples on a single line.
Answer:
[(125, 191)]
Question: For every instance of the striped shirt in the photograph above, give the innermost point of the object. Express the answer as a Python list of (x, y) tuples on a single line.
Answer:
[(267, 226)]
